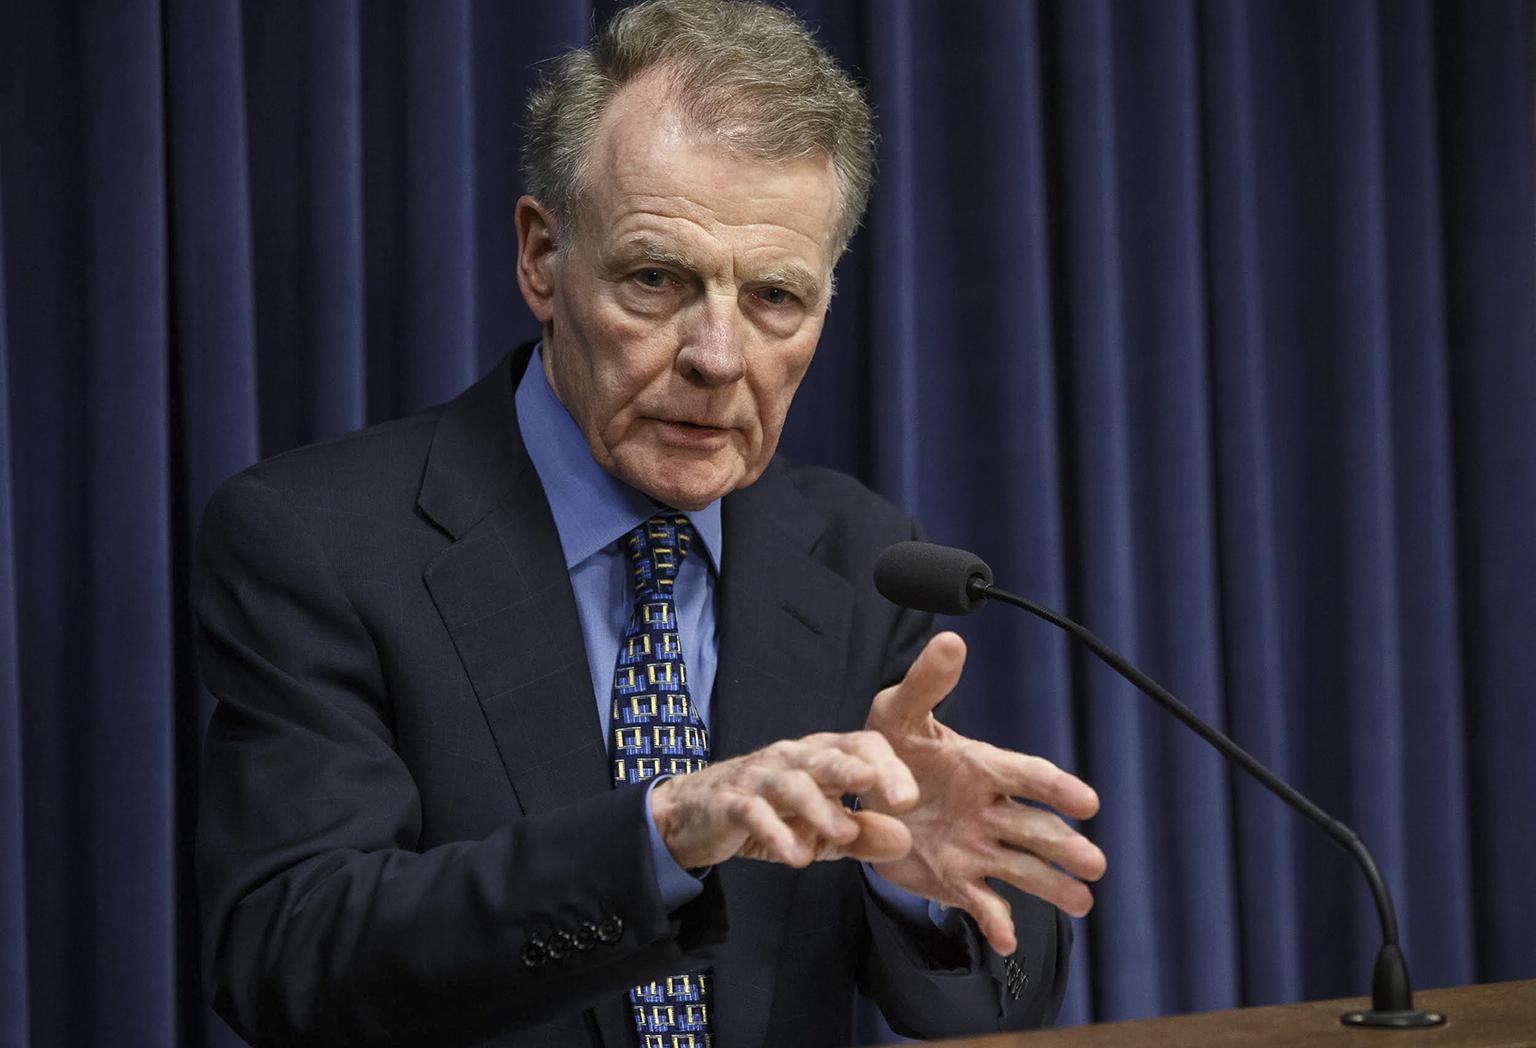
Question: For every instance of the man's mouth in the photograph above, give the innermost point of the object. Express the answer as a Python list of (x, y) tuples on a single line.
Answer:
[(692, 434)]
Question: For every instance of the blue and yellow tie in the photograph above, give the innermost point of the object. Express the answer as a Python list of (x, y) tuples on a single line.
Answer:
[(657, 731)]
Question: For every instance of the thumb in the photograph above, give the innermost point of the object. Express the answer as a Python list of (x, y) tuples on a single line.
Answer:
[(881, 838), (931, 677)]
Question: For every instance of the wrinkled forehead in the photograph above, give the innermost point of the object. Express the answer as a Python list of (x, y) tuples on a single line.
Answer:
[(646, 141)]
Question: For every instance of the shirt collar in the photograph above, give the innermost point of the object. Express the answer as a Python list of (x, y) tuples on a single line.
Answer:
[(592, 508)]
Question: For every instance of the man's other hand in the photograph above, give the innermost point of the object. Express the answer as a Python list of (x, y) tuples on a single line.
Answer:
[(967, 825), (783, 803)]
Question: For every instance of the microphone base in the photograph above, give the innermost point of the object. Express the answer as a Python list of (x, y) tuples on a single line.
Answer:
[(1397, 1020)]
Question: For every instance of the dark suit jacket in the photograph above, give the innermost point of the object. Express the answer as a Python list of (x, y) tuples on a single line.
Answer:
[(405, 778)]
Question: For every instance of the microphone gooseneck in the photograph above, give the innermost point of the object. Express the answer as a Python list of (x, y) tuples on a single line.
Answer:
[(941, 579)]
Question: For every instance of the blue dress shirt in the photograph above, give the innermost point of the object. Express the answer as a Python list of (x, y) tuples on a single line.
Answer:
[(592, 511)]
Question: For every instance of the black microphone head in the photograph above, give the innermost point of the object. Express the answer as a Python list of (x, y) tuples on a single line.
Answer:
[(929, 577)]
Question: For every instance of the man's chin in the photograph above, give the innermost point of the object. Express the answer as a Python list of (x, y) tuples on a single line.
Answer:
[(689, 497), (690, 490)]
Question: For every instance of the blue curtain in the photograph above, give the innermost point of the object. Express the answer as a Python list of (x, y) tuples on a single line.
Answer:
[(1210, 323)]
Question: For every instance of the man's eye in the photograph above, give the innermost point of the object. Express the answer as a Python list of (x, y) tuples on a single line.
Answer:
[(654, 278), (776, 296)]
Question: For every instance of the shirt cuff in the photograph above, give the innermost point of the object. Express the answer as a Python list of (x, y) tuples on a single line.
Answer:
[(675, 885), (914, 909)]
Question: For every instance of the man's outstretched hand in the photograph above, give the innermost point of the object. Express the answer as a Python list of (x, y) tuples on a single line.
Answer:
[(966, 825), (939, 813)]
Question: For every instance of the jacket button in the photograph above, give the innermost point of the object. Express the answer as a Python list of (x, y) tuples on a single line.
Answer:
[(586, 936), (611, 930), (535, 953), (560, 945)]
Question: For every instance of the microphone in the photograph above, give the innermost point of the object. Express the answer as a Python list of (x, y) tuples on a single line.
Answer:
[(947, 581), (929, 577)]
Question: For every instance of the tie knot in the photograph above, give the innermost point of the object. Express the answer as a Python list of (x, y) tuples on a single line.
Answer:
[(656, 551)]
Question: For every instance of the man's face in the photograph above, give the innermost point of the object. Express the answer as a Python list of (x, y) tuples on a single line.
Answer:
[(682, 313)]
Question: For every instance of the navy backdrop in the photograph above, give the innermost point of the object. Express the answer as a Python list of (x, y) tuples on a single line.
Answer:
[(1213, 323)]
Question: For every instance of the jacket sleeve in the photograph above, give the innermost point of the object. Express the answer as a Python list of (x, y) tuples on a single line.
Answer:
[(946, 981), (949, 983), (322, 921)]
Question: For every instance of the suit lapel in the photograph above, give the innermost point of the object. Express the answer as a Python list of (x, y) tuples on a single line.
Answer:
[(505, 597), (784, 621), (784, 624)]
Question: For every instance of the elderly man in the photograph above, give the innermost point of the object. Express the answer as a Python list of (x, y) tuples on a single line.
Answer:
[(513, 692)]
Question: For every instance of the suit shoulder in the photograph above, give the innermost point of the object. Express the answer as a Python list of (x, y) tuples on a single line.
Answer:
[(348, 504), (850, 506), (366, 469)]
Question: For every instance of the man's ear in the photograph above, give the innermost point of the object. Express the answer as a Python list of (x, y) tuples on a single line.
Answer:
[(536, 257)]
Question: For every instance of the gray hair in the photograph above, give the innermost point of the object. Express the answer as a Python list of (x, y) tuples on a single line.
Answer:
[(748, 74)]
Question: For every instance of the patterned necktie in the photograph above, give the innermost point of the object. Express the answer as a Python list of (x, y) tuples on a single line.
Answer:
[(656, 730)]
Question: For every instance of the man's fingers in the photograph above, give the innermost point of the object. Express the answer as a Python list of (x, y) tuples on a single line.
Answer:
[(778, 842), (1031, 874), (859, 762), (837, 771), (932, 676), (993, 915), (1037, 779), (795, 794), (892, 781), (882, 838), (1044, 834)]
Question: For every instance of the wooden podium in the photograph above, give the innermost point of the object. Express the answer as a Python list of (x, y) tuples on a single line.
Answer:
[(1493, 1014)]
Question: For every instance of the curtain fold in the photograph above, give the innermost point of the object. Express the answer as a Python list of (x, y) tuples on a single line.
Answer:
[(1255, 685), (216, 425), (1209, 322), (303, 106), (1095, 400), (896, 271), (1438, 891), (13, 882), (1484, 59)]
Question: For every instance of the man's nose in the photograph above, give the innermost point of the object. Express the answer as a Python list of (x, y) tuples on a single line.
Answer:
[(712, 352)]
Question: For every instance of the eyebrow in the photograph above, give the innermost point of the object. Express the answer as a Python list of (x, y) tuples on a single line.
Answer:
[(797, 279), (646, 249), (789, 275)]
